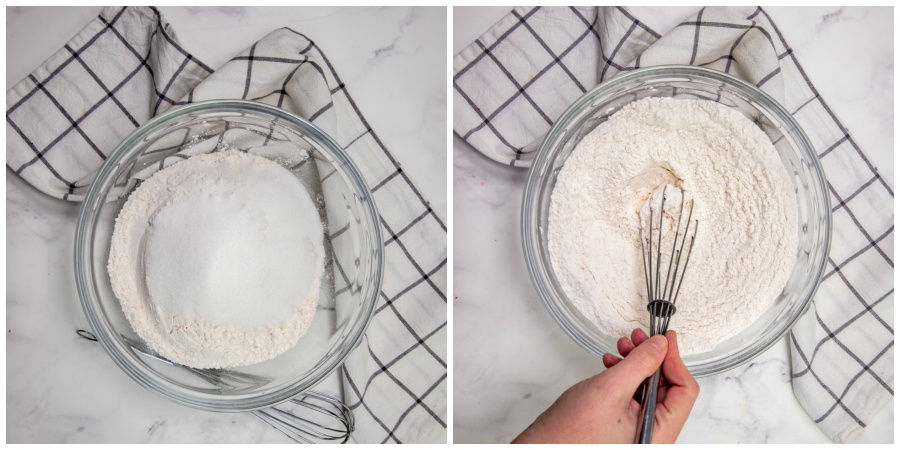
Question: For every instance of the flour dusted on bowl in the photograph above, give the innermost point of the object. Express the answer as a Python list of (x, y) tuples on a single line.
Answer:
[(747, 242), (217, 260)]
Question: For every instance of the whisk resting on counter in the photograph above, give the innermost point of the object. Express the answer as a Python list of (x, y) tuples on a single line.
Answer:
[(663, 281)]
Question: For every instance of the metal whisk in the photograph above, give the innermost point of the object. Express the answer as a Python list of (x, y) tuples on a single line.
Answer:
[(663, 285)]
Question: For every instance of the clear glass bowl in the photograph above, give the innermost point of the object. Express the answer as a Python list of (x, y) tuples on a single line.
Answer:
[(794, 148), (354, 250)]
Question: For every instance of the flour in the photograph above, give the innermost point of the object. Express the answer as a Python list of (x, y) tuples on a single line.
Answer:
[(217, 260), (747, 239)]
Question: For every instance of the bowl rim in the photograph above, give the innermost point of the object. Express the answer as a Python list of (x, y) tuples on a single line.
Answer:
[(125, 359), (529, 218)]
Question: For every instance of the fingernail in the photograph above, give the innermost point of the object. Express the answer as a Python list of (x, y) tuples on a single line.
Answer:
[(659, 342)]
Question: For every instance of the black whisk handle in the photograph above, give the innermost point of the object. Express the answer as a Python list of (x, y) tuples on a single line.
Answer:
[(648, 409), (661, 308)]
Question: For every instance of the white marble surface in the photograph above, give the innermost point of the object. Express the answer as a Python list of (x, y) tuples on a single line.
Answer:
[(63, 389), (511, 360)]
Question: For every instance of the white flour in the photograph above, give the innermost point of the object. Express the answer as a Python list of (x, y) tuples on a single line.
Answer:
[(217, 260), (747, 239)]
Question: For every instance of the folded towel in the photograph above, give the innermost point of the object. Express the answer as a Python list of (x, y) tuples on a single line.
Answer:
[(127, 65), (513, 82)]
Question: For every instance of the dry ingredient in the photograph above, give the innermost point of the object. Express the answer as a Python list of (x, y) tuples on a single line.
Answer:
[(216, 260), (747, 240)]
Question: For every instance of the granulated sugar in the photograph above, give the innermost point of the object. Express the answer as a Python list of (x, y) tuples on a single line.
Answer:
[(216, 260), (747, 240)]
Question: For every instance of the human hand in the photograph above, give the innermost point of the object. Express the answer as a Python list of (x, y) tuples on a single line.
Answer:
[(603, 408)]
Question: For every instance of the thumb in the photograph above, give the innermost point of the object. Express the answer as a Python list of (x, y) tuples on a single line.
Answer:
[(640, 364)]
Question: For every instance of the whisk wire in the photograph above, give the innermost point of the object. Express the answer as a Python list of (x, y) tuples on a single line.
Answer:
[(688, 256), (644, 254), (686, 260), (650, 291), (673, 255), (662, 210)]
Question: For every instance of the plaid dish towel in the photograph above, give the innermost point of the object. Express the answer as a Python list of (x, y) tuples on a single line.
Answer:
[(127, 66), (513, 82)]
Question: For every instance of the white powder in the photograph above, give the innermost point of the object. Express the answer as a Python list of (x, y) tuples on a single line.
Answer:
[(217, 260), (747, 239)]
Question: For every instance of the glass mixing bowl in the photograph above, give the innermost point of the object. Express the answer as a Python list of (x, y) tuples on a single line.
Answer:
[(354, 251), (794, 148)]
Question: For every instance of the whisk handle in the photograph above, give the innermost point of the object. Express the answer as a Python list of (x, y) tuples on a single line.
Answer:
[(648, 409)]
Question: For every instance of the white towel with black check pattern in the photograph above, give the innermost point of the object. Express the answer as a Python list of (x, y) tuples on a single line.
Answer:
[(127, 66), (516, 79)]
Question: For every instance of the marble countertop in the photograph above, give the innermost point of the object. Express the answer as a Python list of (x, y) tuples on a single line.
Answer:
[(511, 360), (63, 389)]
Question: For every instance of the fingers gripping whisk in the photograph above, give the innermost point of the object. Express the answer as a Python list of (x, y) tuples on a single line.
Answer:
[(664, 268)]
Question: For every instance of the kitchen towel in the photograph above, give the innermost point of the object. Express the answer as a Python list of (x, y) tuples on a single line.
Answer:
[(514, 81), (127, 66)]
